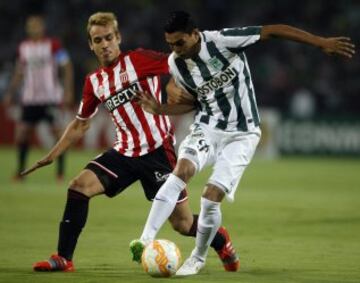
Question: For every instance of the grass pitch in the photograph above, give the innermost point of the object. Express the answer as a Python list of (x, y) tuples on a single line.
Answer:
[(294, 220)]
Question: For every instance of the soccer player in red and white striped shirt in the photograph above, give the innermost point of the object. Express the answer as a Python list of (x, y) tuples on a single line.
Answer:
[(40, 59), (143, 149)]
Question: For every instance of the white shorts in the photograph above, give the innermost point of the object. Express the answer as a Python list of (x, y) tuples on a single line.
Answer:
[(228, 152)]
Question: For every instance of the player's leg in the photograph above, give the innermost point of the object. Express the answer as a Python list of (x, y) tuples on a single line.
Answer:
[(108, 173), (54, 117), (154, 170), (234, 154), (182, 219), (166, 198), (83, 187), (208, 224), (164, 203), (194, 152), (24, 129), (186, 223), (60, 170), (192, 157), (209, 219)]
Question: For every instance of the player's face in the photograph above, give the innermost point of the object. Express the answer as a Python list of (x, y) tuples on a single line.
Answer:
[(183, 44), (35, 27), (104, 41)]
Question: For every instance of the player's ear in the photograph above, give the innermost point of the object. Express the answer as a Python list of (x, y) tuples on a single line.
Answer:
[(118, 36), (90, 44)]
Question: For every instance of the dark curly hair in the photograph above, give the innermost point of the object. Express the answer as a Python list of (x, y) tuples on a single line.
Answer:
[(179, 21)]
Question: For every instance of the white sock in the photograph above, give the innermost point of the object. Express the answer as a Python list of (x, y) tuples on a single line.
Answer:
[(162, 207), (208, 224)]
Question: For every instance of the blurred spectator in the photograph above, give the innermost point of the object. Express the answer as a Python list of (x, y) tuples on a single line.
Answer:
[(142, 23), (39, 61)]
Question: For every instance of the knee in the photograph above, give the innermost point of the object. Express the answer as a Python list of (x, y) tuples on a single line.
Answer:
[(87, 183), (79, 185), (184, 169)]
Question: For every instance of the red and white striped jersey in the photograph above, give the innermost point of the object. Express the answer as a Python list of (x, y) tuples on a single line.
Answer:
[(40, 60), (137, 131)]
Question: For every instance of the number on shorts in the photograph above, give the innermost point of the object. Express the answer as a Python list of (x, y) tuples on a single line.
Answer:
[(203, 146)]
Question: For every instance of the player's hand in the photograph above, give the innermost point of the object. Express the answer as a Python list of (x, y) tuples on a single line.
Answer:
[(180, 97), (177, 95), (338, 46), (41, 163), (147, 102)]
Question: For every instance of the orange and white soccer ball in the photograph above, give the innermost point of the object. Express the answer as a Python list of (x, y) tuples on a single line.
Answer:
[(161, 258)]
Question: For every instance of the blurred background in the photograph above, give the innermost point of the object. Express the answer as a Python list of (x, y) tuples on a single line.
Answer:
[(309, 101), (296, 217)]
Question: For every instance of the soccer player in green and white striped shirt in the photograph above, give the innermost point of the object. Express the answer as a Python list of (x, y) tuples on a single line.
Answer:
[(218, 76), (212, 67)]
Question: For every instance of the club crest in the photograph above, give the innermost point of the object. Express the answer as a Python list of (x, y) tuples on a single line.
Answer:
[(124, 78), (216, 63)]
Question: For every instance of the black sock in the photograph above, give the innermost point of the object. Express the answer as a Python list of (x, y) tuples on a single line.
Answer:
[(74, 219), (60, 165), (217, 243), (23, 149)]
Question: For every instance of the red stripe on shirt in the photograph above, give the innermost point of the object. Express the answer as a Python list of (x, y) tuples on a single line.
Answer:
[(129, 124)]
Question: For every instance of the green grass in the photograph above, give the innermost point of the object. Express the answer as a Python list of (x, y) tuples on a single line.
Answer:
[(294, 220)]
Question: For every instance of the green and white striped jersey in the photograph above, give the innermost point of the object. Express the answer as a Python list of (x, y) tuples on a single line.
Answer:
[(219, 77)]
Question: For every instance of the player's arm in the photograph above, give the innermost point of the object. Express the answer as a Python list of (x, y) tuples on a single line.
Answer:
[(66, 67), (330, 45), (177, 95), (73, 132), (149, 104), (68, 82), (14, 83)]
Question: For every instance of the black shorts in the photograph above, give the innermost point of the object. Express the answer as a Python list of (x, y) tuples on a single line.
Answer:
[(34, 114), (116, 172)]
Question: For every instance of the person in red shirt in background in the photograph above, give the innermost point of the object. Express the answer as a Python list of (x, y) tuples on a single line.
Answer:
[(44, 70), (143, 149)]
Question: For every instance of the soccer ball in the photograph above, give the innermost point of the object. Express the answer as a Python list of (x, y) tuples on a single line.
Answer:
[(161, 258)]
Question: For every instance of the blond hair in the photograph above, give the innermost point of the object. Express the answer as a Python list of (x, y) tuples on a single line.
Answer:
[(102, 19)]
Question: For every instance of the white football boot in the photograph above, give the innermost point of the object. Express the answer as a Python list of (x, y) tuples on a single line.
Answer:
[(191, 266)]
